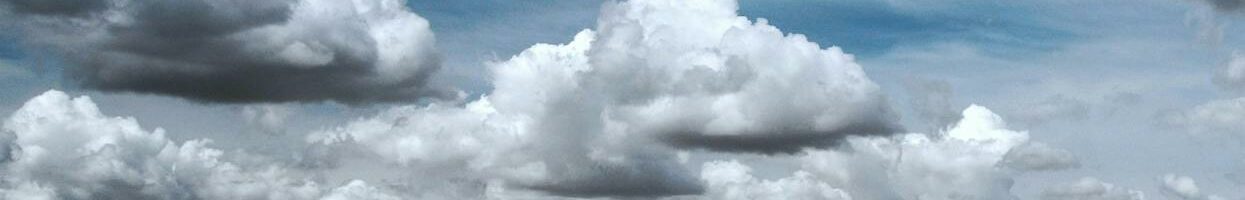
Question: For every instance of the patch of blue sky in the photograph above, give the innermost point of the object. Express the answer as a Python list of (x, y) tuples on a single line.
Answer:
[(10, 48), (871, 28)]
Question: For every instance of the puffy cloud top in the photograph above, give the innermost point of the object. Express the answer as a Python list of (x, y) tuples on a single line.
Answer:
[(239, 51), (960, 163), (612, 103), (730, 180), (64, 148), (1184, 187)]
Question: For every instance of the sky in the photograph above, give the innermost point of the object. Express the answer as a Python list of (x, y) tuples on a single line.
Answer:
[(636, 99)]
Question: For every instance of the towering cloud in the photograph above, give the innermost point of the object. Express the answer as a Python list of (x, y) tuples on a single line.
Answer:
[(603, 114), (238, 51)]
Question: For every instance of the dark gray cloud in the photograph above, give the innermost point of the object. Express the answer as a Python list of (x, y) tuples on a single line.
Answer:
[(634, 180), (55, 7), (6, 146), (242, 51), (1226, 5), (779, 142)]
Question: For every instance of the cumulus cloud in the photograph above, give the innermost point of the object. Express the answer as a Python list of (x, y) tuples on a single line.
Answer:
[(358, 190), (67, 146), (1090, 188), (267, 118), (959, 163), (1218, 117), (64, 148), (603, 114), (238, 51), (1184, 187), (730, 180)]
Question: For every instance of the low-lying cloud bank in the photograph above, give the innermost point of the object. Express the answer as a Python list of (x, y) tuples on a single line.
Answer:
[(352, 52), (59, 147)]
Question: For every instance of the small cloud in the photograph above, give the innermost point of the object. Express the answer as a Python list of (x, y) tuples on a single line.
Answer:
[(1036, 156), (1090, 188)]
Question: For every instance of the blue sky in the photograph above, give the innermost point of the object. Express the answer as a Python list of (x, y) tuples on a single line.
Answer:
[(1098, 78)]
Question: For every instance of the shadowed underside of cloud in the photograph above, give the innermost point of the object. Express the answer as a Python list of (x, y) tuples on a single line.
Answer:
[(57, 7), (651, 180), (239, 51), (1226, 5), (779, 142)]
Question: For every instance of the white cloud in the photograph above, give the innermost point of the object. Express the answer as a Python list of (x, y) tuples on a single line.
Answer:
[(358, 190), (1184, 187), (960, 163), (612, 103), (63, 147), (267, 118), (1232, 75), (66, 145), (1218, 117), (730, 180), (1089, 188), (28, 190)]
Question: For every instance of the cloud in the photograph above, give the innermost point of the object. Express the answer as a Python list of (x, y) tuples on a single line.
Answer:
[(267, 118), (730, 180), (1090, 188), (353, 52), (1206, 18), (960, 163), (1225, 5), (1184, 187), (64, 148), (1039, 157), (1232, 76), (358, 190), (56, 7), (67, 146), (1218, 117), (602, 115)]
